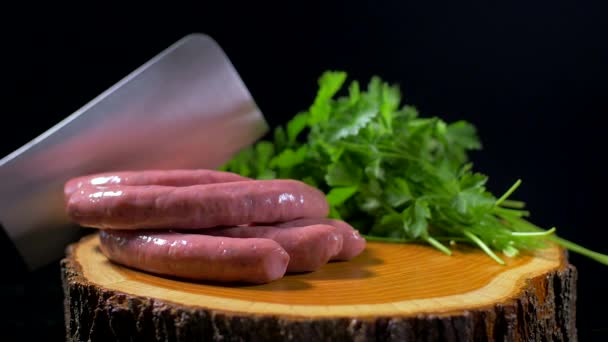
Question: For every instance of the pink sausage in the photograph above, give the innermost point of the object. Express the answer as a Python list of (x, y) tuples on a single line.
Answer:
[(152, 177), (195, 256), (309, 247), (353, 243), (195, 206)]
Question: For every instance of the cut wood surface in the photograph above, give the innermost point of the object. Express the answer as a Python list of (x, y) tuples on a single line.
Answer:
[(398, 292)]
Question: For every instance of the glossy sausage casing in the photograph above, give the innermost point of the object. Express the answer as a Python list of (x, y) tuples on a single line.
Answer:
[(352, 242), (176, 177), (195, 206), (309, 247), (195, 256)]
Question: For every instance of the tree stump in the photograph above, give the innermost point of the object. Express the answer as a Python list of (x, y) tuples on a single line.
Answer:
[(391, 292)]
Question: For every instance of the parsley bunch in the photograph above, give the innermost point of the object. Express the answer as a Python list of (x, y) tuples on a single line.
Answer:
[(394, 175)]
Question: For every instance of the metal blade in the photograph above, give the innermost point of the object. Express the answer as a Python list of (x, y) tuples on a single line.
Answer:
[(185, 108)]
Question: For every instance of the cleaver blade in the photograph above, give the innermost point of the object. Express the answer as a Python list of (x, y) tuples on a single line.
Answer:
[(187, 107)]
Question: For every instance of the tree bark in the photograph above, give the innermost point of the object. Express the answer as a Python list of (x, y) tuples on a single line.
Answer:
[(543, 308)]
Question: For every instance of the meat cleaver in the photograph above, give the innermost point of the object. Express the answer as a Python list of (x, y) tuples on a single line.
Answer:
[(187, 107)]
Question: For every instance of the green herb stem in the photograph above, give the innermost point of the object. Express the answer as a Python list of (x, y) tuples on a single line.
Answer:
[(513, 204), (514, 212), (483, 246), (509, 192), (534, 234), (439, 245), (599, 257)]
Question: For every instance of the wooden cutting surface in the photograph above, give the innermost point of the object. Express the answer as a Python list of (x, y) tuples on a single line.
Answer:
[(386, 279)]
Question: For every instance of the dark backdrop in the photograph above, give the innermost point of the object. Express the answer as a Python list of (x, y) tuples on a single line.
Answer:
[(532, 77)]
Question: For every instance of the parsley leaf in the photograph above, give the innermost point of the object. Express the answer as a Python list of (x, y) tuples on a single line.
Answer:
[(393, 174), (296, 125)]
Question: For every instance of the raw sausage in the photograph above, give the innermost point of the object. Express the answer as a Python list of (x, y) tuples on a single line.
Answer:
[(152, 177), (353, 243), (309, 247), (195, 256), (195, 206)]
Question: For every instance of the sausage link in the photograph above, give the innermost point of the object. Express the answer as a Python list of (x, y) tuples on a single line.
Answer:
[(309, 247), (176, 177), (195, 256), (353, 243), (195, 206)]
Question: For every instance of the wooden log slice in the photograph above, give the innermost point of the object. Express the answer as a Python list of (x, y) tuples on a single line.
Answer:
[(391, 292)]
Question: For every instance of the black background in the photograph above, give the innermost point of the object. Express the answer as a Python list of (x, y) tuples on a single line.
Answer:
[(531, 76)]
